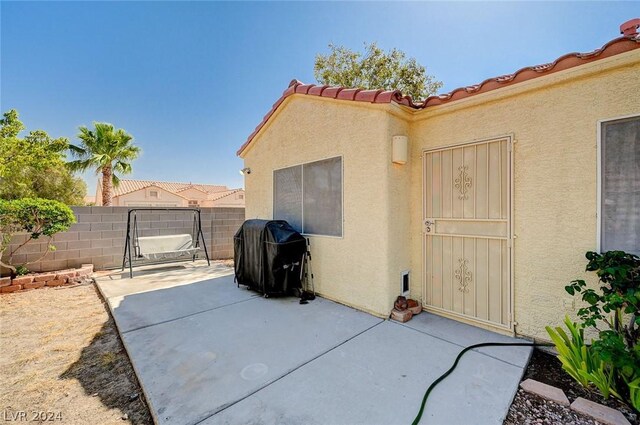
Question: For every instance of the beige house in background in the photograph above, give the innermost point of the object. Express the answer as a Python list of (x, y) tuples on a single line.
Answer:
[(146, 193), (479, 203)]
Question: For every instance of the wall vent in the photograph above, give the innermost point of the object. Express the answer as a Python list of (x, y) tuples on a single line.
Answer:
[(404, 283)]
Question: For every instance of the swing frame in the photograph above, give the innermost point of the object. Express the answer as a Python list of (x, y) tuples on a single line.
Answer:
[(132, 236)]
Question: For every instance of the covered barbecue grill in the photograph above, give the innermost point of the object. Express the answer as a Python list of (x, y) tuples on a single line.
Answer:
[(268, 256)]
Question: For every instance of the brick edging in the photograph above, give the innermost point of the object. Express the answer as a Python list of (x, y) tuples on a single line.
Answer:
[(600, 413), (46, 279)]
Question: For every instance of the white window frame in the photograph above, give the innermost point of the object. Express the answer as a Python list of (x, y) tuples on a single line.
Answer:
[(301, 165), (599, 166)]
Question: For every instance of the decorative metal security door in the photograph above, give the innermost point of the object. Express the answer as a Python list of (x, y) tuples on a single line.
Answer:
[(467, 232)]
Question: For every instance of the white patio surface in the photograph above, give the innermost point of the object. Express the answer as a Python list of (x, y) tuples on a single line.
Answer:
[(208, 352)]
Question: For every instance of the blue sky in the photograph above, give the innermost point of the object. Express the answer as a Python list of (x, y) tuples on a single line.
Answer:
[(190, 81)]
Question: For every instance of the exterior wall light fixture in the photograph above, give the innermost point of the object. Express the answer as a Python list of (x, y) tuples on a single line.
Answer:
[(399, 149)]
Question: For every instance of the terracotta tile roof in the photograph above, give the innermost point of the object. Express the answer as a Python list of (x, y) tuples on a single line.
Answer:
[(570, 60), (220, 195), (629, 41), (342, 93), (128, 186), (191, 186)]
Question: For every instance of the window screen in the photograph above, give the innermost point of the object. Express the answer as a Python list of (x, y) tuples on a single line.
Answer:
[(309, 197), (322, 197), (287, 196), (620, 189)]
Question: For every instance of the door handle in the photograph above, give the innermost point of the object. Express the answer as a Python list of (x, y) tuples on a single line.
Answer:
[(427, 225)]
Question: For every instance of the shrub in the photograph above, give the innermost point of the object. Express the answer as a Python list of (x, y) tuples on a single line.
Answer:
[(634, 393), (37, 217), (581, 361), (616, 305)]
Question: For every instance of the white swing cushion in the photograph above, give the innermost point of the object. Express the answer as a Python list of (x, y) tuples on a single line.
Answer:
[(166, 247)]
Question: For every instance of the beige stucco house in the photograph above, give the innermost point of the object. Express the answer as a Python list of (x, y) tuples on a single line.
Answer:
[(480, 203), (145, 193)]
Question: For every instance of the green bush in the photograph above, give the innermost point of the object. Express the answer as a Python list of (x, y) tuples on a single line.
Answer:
[(22, 270), (616, 306), (581, 361), (634, 393), (37, 217)]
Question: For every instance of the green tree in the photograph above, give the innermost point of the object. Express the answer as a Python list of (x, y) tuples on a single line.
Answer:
[(375, 69), (108, 151), (35, 166), (35, 217)]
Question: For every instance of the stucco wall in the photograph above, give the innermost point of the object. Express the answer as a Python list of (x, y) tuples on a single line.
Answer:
[(193, 194), (233, 200), (142, 197), (555, 155), (553, 121), (398, 214), (356, 268)]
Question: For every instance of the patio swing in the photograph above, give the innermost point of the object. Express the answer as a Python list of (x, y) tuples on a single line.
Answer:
[(162, 249)]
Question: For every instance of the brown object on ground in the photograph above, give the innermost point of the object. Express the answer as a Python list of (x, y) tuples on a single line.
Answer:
[(61, 354), (40, 280), (10, 288), (531, 409), (401, 316), (543, 390), (400, 304), (601, 413), (414, 306)]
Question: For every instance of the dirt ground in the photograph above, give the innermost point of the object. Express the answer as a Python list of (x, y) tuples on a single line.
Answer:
[(63, 362)]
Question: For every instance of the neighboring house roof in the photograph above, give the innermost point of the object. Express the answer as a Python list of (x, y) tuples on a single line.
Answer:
[(629, 41), (128, 186), (156, 186), (194, 188), (220, 195)]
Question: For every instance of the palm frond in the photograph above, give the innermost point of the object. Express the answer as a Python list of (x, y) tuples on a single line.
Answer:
[(80, 165), (77, 151), (122, 167)]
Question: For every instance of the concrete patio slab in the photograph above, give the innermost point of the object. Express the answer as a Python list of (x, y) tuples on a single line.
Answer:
[(142, 309), (195, 366), (465, 335), (206, 351), (194, 284), (115, 283), (379, 377)]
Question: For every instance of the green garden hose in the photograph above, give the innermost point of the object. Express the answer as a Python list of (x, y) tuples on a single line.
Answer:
[(416, 421)]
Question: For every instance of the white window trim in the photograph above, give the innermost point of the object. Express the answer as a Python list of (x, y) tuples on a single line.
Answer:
[(273, 192), (599, 176)]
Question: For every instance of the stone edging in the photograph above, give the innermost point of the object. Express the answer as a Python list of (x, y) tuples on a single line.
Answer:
[(50, 279), (600, 413)]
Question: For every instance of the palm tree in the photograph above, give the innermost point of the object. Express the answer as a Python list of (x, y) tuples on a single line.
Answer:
[(108, 151)]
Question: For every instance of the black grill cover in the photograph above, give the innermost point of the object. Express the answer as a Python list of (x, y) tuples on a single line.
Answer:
[(268, 256)]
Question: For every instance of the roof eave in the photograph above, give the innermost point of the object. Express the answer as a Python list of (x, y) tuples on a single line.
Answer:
[(614, 47)]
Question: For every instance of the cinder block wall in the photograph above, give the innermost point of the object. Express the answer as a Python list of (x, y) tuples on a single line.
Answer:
[(98, 237)]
